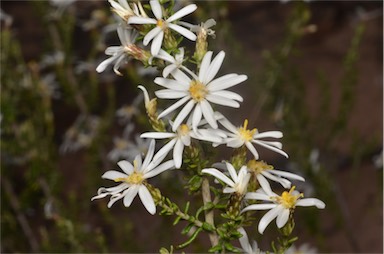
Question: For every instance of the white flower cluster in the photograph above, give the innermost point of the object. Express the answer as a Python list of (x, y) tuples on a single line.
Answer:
[(196, 95)]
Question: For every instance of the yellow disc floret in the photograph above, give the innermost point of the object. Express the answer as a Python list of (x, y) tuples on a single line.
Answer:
[(245, 134), (160, 23), (197, 90), (258, 166), (287, 199), (134, 178), (183, 130)]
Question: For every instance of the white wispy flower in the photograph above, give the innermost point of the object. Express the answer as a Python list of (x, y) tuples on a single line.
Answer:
[(81, 133), (237, 184), (245, 244), (175, 62), (180, 139), (239, 136), (262, 171), (200, 91), (281, 206), (304, 248), (122, 9), (133, 179), (119, 54), (156, 35), (204, 27), (126, 112)]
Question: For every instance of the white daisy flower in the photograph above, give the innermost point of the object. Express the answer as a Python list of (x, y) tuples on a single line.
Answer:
[(262, 171), (122, 9), (180, 138), (156, 35), (304, 248), (281, 206), (176, 62), (200, 91), (238, 183), (245, 244), (133, 179), (204, 27), (119, 53), (239, 136)]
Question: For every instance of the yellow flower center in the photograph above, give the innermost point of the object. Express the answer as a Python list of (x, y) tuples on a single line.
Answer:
[(183, 130), (160, 23), (258, 166), (245, 134), (197, 90), (287, 199), (134, 178)]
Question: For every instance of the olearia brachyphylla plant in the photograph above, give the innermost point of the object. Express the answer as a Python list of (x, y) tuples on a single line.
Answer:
[(233, 190)]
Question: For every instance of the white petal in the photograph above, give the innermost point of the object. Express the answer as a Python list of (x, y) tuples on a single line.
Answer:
[(229, 190), (147, 199), (161, 168), (232, 172), (165, 150), (284, 182), (183, 31), (219, 175), (130, 195), (282, 218), (183, 114), (149, 155), (268, 217), (112, 175), (286, 174), (141, 20), (157, 135), (311, 202), (252, 149), (270, 147), (174, 106), (182, 12), (222, 101), (118, 63), (264, 184), (205, 65), (229, 81), (145, 93), (244, 242), (172, 84), (114, 50), (164, 55), (167, 70), (114, 199), (156, 9), (178, 153), (156, 43), (228, 125), (126, 166), (170, 94), (257, 196), (234, 142), (196, 117), (138, 160), (269, 134), (258, 207), (214, 67), (103, 65), (150, 35), (208, 114), (229, 95), (181, 77)]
